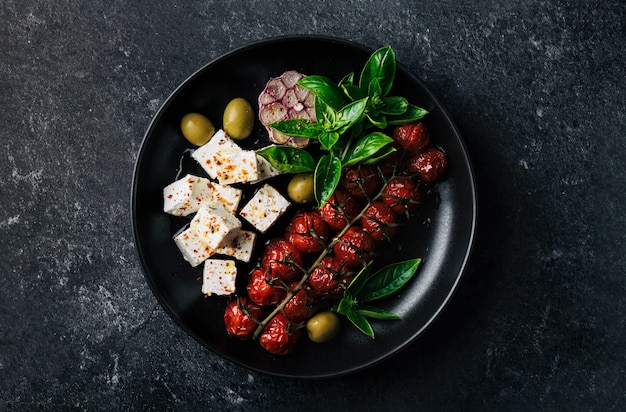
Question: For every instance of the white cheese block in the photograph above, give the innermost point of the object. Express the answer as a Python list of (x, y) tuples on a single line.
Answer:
[(193, 249), (236, 167), (265, 207), (241, 247), (227, 196), (219, 277), (265, 169), (208, 155), (215, 225), (186, 195)]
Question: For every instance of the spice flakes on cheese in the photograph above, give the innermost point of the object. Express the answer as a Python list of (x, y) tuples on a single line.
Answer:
[(236, 167), (219, 277), (215, 225), (265, 207), (207, 154), (241, 247), (227, 196), (186, 195), (193, 249)]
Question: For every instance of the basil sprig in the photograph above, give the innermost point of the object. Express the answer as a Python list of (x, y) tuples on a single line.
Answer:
[(345, 112), (367, 287), (375, 82)]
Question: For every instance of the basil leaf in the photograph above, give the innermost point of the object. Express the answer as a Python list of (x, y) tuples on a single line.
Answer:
[(328, 139), (349, 115), (353, 92), (346, 304), (381, 154), (358, 281), (388, 280), (326, 116), (394, 105), (412, 114), (326, 178), (366, 147), (381, 66), (360, 322), (288, 159), (297, 128), (377, 120), (348, 79), (377, 313), (374, 90), (324, 89)]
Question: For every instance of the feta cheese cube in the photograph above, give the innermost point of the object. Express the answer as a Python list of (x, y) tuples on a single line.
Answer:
[(227, 196), (265, 207), (265, 169), (215, 226), (186, 195), (193, 249), (208, 155), (219, 277), (241, 247), (236, 167)]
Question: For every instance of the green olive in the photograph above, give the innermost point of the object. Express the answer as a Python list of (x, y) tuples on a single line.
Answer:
[(300, 188), (323, 327), (238, 119), (197, 128)]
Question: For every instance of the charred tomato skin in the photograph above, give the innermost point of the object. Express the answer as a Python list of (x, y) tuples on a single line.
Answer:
[(355, 247), (402, 195), (282, 260), (340, 208), (329, 280), (241, 317), (414, 137), (301, 306), (280, 337), (430, 165), (360, 181), (379, 221), (308, 232), (260, 291)]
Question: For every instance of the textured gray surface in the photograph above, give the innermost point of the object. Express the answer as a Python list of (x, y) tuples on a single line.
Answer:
[(537, 90)]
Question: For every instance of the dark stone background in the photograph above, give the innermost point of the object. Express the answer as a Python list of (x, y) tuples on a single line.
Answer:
[(537, 90)]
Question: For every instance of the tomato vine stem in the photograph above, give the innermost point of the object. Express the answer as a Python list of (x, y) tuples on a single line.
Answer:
[(336, 239)]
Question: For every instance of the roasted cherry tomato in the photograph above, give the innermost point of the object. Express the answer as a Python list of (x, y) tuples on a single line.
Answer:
[(280, 337), (308, 232), (402, 195), (330, 279), (355, 247), (241, 317), (261, 292), (414, 137), (301, 306), (360, 181), (282, 260), (379, 221), (430, 165), (340, 208)]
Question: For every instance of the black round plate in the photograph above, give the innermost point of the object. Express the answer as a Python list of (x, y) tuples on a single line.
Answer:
[(442, 235)]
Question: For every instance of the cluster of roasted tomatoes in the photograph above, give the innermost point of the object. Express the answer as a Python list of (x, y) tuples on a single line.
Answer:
[(334, 232)]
